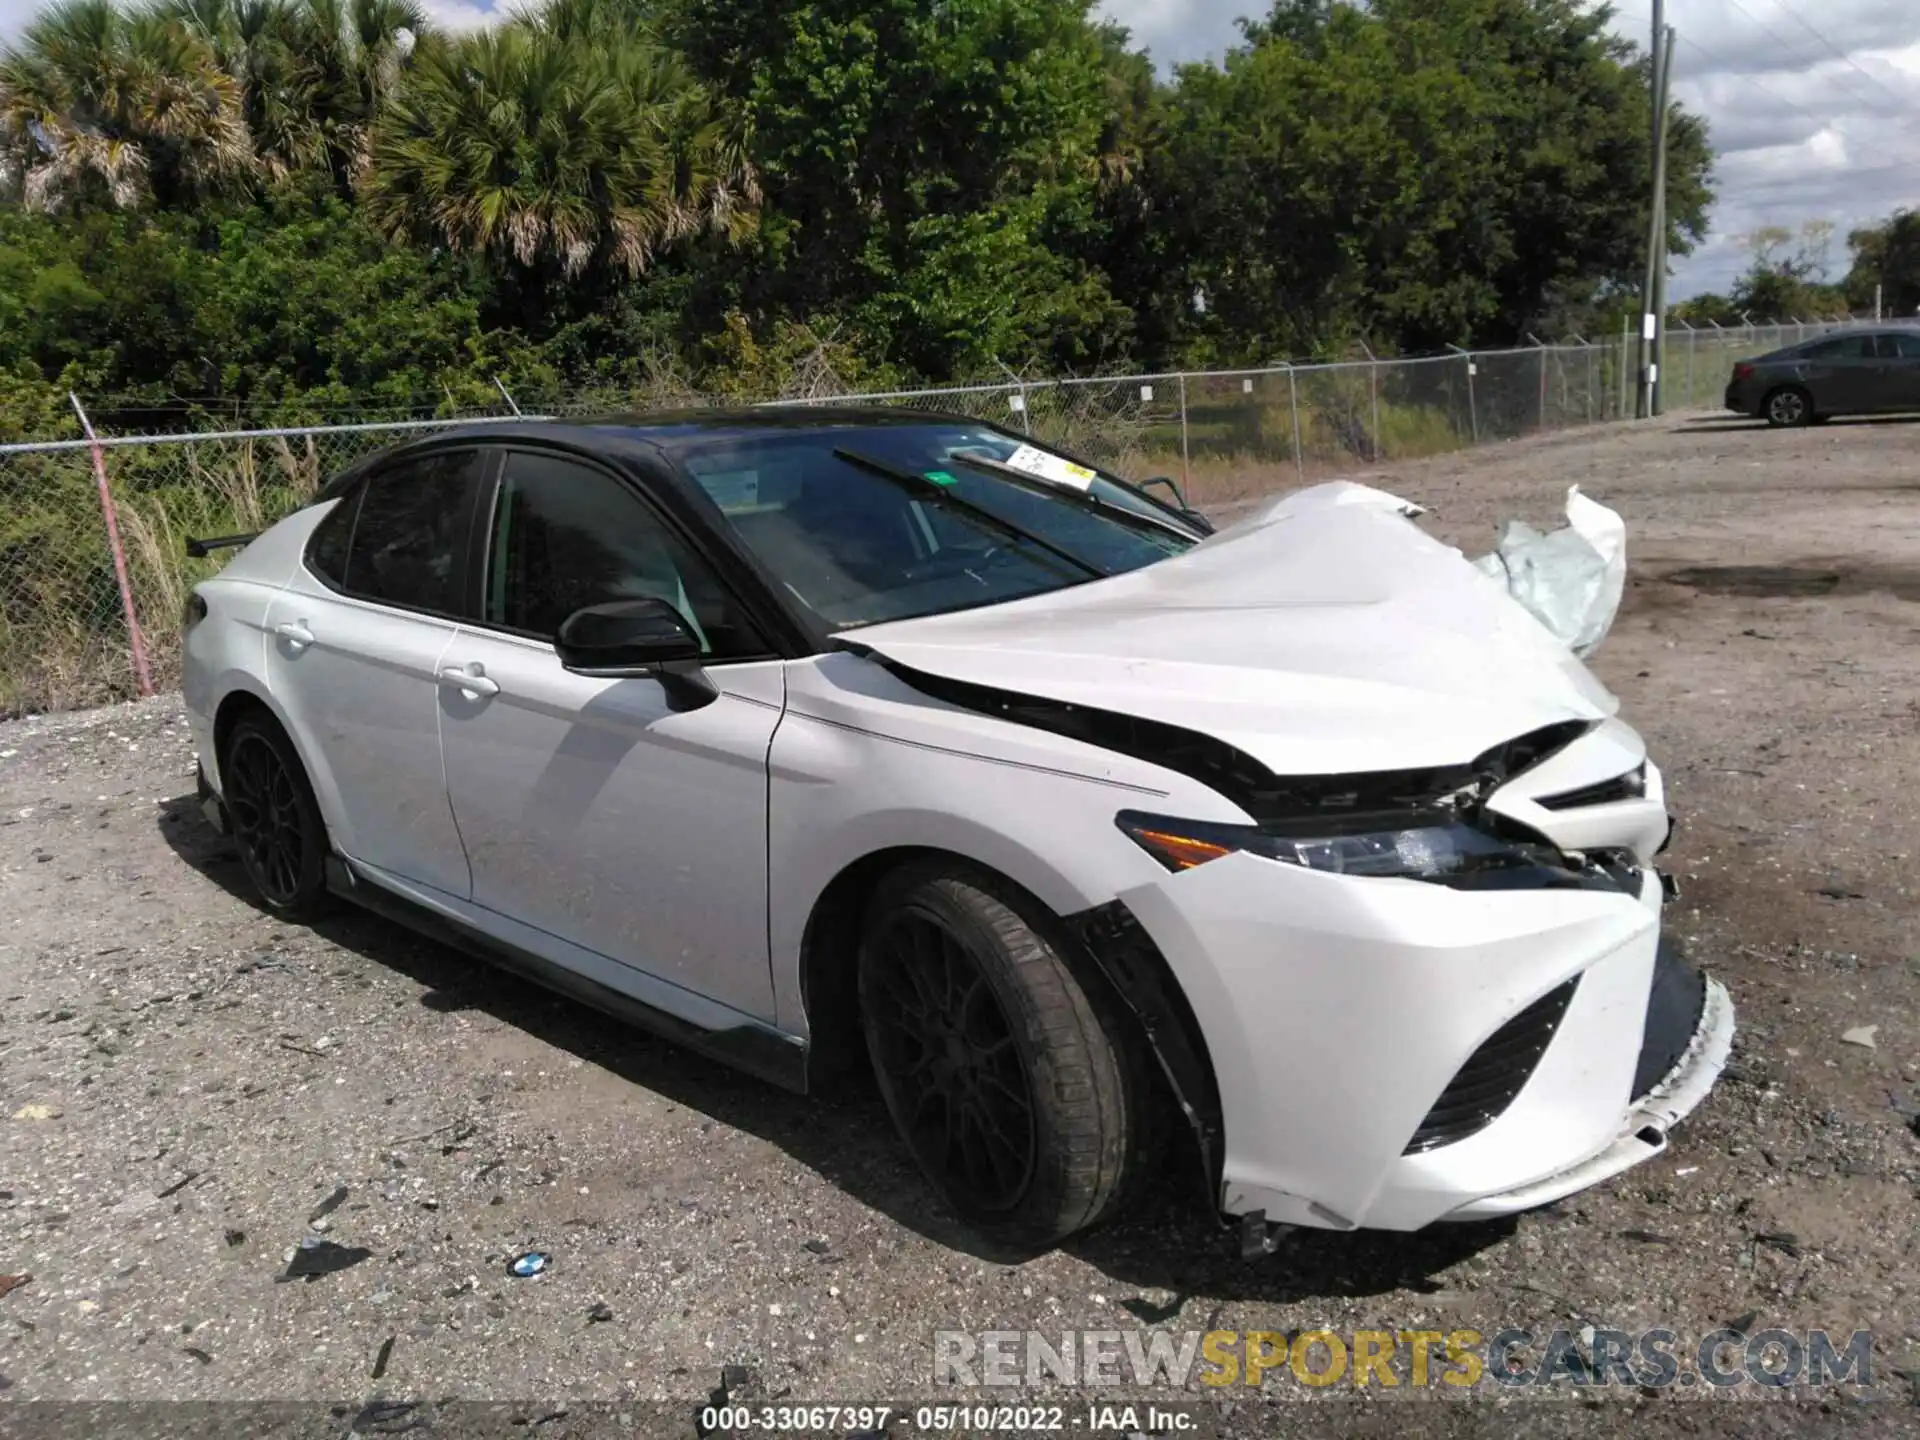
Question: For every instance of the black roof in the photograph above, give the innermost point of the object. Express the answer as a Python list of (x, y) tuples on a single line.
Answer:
[(665, 430), (671, 429)]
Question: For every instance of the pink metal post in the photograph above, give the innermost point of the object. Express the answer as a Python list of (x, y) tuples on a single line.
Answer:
[(138, 642)]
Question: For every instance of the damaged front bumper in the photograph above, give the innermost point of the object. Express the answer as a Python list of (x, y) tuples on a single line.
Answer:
[(1643, 1132), (1389, 1054)]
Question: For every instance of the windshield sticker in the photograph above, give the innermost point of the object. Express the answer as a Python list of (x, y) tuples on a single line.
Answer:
[(734, 490), (941, 477), (1042, 466)]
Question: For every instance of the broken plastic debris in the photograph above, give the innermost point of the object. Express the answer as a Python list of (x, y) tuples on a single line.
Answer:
[(1860, 1035), (313, 1258), (530, 1264), (1570, 579), (36, 1112), (11, 1283)]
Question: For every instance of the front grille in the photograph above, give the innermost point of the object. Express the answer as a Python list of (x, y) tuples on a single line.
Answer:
[(1630, 786), (1493, 1074)]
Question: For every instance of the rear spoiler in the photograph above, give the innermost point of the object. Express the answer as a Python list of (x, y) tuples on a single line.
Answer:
[(200, 549)]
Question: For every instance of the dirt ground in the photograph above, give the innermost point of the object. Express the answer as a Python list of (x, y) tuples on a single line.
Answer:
[(186, 1083)]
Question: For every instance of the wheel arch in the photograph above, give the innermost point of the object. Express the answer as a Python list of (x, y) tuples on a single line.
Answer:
[(244, 698)]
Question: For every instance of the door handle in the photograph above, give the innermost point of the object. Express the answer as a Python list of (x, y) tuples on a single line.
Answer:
[(295, 633), (469, 682)]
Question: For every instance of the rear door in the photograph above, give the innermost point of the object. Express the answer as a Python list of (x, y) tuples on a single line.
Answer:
[(356, 641), (1900, 370), (611, 813)]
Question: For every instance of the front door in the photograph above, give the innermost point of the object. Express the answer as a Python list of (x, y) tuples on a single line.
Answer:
[(612, 813), (356, 643), (1843, 375)]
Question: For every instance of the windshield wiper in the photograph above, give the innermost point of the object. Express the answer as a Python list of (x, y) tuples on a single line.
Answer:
[(1085, 499), (922, 488)]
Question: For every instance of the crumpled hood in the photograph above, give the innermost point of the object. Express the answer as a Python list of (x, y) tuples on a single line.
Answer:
[(1325, 634)]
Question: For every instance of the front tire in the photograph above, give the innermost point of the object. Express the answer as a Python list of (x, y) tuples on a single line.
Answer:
[(1788, 408), (275, 820), (1007, 1076)]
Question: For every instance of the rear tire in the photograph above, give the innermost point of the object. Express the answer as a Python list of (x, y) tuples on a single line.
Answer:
[(274, 818), (1013, 1082), (1788, 408)]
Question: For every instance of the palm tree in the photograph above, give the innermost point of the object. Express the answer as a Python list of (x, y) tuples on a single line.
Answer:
[(358, 52), (564, 138), (260, 44), (124, 108), (313, 73)]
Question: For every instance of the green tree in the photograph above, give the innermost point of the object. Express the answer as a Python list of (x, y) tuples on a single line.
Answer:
[(1786, 277), (554, 149), (296, 305), (1886, 266), (313, 73), (1422, 172), (102, 106), (928, 169)]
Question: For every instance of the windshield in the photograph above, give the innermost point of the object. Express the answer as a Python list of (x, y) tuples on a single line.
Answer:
[(869, 523)]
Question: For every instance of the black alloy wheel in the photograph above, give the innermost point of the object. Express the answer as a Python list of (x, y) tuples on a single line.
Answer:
[(946, 1050), (1008, 1067), (276, 823)]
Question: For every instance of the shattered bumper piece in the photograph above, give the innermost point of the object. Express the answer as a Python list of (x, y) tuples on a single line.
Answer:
[(1643, 1134)]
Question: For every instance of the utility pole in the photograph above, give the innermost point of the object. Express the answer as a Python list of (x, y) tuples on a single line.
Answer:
[(1660, 229), (1643, 400)]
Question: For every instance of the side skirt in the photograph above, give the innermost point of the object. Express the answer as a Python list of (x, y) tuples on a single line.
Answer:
[(750, 1048)]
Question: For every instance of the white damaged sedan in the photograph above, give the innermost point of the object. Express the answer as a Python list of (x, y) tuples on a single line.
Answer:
[(816, 739)]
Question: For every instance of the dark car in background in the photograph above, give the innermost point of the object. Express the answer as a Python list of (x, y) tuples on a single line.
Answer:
[(1861, 372)]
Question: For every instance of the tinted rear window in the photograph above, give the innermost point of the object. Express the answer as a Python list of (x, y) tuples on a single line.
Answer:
[(411, 530)]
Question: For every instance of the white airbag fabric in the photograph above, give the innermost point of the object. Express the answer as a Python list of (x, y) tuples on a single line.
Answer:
[(1571, 579)]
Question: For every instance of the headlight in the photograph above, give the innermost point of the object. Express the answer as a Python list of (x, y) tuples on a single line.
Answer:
[(1488, 855)]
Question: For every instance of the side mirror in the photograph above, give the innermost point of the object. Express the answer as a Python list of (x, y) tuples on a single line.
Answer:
[(624, 637)]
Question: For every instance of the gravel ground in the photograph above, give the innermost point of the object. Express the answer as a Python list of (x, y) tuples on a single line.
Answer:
[(190, 1088)]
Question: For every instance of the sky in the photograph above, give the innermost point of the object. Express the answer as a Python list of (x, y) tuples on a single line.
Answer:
[(1813, 105)]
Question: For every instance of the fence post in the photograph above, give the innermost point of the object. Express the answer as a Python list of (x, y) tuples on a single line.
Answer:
[(134, 637), (1378, 445), (1186, 464), (1541, 346), (1293, 402), (1473, 408), (1026, 421), (1626, 347)]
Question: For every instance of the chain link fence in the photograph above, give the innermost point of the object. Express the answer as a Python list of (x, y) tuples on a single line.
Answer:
[(94, 573)]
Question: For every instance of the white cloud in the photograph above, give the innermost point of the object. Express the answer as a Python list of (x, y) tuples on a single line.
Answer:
[(455, 15), (14, 15), (1814, 105)]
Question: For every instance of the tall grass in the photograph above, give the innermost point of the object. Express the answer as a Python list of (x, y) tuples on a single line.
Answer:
[(63, 634)]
